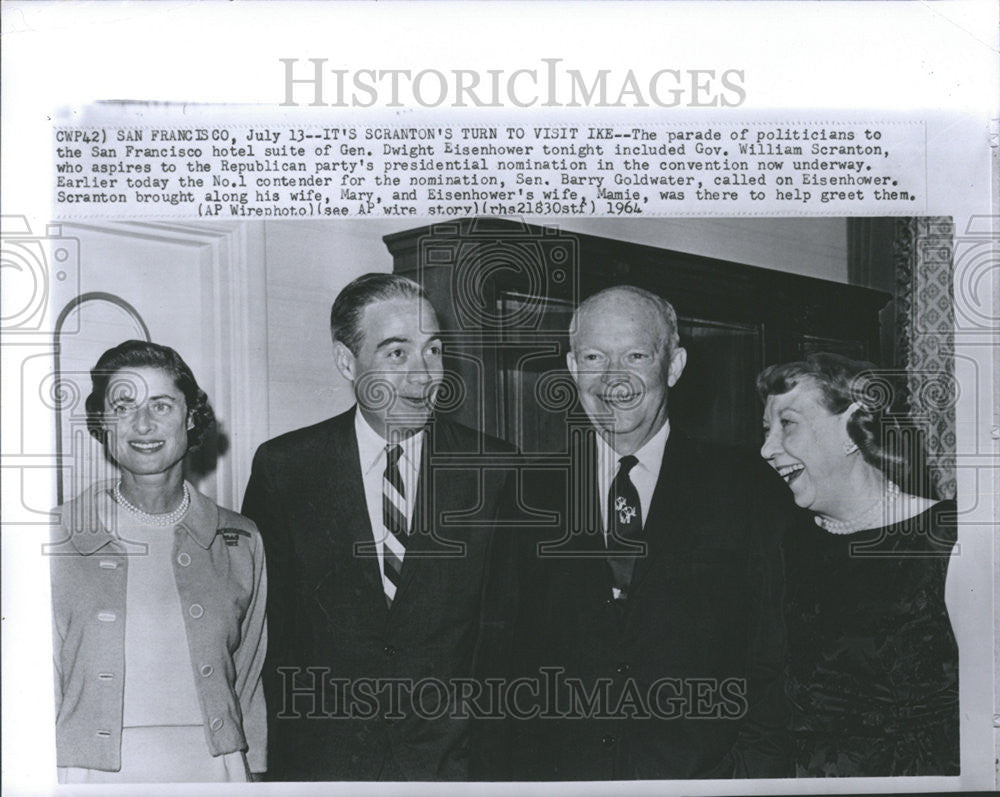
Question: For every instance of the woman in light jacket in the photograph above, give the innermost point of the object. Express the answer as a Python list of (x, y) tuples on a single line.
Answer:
[(158, 596)]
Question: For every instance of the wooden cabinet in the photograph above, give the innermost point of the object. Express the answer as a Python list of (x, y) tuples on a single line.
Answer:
[(505, 293)]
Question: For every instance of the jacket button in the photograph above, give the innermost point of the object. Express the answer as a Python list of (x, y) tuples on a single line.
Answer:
[(195, 610), (216, 724), (183, 559), (389, 650), (107, 617), (608, 740), (206, 670)]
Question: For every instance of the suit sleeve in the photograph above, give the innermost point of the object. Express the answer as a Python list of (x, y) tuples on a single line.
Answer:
[(256, 498), (263, 505), (249, 662), (763, 748)]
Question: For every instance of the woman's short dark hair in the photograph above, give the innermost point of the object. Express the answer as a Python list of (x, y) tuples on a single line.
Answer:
[(873, 426), (345, 315), (143, 354)]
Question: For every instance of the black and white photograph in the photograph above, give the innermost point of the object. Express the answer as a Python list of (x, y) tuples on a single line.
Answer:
[(538, 502), (436, 414)]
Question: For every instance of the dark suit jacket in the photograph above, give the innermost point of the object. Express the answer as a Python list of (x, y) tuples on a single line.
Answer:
[(342, 667), (685, 679)]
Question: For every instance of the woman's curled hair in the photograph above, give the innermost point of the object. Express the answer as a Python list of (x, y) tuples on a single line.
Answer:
[(874, 426), (143, 354)]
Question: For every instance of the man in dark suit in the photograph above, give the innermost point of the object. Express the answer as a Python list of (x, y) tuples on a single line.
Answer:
[(377, 526), (655, 620)]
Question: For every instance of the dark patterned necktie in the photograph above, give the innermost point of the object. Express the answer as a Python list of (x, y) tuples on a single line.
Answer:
[(624, 526), (395, 522)]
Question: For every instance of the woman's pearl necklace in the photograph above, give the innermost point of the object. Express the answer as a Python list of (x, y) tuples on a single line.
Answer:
[(872, 517), (165, 519)]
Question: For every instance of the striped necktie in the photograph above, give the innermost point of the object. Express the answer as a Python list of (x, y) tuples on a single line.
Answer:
[(394, 518)]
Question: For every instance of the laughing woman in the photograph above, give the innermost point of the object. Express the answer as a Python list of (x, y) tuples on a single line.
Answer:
[(158, 596), (873, 678)]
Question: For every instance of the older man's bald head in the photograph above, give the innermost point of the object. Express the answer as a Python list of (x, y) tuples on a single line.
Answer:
[(630, 300)]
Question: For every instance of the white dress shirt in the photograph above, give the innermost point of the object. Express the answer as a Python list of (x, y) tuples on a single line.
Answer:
[(371, 454), (644, 474)]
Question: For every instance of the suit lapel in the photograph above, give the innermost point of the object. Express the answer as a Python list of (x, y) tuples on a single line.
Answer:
[(592, 500), (427, 544), (344, 506), (666, 509), (585, 502)]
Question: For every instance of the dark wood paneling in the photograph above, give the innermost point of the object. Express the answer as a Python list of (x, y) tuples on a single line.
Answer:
[(505, 292)]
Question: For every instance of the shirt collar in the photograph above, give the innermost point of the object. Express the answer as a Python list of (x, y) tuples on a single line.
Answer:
[(650, 455), (371, 444)]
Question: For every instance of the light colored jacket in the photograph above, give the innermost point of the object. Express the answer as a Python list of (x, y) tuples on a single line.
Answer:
[(218, 563)]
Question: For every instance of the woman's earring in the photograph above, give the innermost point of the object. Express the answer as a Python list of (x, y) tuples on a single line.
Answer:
[(850, 446)]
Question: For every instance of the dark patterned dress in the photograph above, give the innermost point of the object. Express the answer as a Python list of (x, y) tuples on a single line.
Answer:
[(873, 674)]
